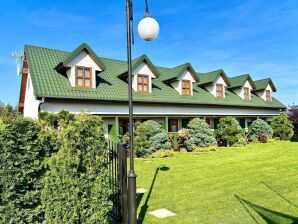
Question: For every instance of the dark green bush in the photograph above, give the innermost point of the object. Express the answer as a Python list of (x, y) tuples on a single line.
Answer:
[(76, 186), (228, 131), (294, 138), (200, 134), (282, 127), (21, 172), (61, 119), (259, 128), (159, 141)]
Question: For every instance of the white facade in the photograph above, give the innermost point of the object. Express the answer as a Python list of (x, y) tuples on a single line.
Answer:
[(155, 110), (31, 104), (142, 69), (212, 88), (82, 59), (240, 91), (262, 94), (177, 84)]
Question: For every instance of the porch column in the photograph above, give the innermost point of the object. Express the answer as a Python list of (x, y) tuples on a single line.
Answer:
[(116, 131), (167, 124)]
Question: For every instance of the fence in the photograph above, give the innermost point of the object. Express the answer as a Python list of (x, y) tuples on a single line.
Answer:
[(118, 181)]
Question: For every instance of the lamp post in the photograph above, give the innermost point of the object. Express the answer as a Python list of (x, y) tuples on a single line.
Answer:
[(148, 30)]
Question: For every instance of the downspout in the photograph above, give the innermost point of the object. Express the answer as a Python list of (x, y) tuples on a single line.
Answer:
[(40, 104)]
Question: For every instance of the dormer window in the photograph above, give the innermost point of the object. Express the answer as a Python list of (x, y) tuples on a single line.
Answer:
[(246, 93), (143, 83), (83, 77), (268, 95), (186, 85), (219, 90)]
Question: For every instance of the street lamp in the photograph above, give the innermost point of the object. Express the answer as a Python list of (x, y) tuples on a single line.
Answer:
[(148, 30)]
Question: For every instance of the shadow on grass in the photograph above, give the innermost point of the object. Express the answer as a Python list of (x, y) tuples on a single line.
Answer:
[(270, 216), (145, 206), (279, 194)]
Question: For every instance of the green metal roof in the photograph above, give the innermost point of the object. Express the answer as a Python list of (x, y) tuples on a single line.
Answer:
[(263, 83), (211, 77), (177, 72), (47, 82), (240, 80)]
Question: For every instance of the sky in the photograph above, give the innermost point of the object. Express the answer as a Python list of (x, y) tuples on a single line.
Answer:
[(256, 37)]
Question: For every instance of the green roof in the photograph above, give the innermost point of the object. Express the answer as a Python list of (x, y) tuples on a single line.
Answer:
[(263, 83), (177, 72), (240, 80), (211, 77), (47, 82)]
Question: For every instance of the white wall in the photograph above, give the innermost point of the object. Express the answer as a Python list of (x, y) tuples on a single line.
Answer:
[(212, 88), (240, 91), (147, 110), (262, 94), (31, 103), (142, 69), (82, 59), (177, 85)]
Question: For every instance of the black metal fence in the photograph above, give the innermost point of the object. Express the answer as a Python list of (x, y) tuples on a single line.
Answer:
[(118, 181)]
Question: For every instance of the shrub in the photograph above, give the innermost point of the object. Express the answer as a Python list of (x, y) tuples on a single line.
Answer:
[(8, 113), (174, 141), (294, 138), (143, 143), (21, 172), (199, 134), (211, 148), (258, 128), (76, 187), (182, 136), (255, 140), (228, 131), (159, 141), (163, 153), (59, 120), (282, 127), (271, 140), (263, 138), (241, 142)]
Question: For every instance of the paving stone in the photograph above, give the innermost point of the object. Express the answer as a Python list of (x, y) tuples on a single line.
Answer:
[(162, 213)]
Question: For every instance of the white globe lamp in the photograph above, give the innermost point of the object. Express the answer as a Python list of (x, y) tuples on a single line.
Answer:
[(148, 28)]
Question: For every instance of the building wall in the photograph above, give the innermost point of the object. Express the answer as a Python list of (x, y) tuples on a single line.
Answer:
[(142, 69), (262, 94), (122, 109), (240, 91), (177, 85), (82, 59), (31, 103)]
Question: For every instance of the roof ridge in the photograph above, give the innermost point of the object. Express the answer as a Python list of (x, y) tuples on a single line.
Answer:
[(213, 71), (262, 79), (239, 76), (47, 48)]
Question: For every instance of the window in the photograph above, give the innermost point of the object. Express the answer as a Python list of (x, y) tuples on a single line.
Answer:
[(246, 93), (143, 83), (219, 90), (173, 125), (83, 77), (268, 95), (186, 87)]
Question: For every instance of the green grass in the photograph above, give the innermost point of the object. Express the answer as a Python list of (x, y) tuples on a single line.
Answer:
[(201, 187)]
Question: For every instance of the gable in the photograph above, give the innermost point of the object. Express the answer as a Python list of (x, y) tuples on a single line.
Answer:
[(187, 75), (143, 69), (83, 59)]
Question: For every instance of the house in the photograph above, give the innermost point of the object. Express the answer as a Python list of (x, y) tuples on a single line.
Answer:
[(76, 81)]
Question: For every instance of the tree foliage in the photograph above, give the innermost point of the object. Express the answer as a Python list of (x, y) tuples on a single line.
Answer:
[(258, 128), (21, 172), (76, 186), (56, 121), (228, 131), (282, 127), (8, 112), (159, 141), (293, 116), (199, 134)]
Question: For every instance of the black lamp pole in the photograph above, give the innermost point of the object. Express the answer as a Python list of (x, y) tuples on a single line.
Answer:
[(132, 215)]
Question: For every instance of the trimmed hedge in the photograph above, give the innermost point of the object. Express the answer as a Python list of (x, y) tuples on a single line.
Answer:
[(228, 131), (258, 128), (77, 187)]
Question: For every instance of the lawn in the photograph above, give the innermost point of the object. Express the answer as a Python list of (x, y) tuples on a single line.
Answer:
[(201, 187)]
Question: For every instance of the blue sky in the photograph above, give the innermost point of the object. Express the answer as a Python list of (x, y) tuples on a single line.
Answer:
[(255, 37)]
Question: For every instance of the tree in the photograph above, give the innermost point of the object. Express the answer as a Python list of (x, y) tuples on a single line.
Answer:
[(21, 172), (282, 127), (293, 116), (199, 134), (8, 112), (76, 186), (228, 131), (258, 129)]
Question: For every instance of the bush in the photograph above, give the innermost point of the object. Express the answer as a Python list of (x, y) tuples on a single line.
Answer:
[(294, 138), (8, 113), (271, 140), (228, 131), (21, 172), (211, 148), (258, 128), (255, 140), (163, 153), (77, 187), (146, 141), (56, 121), (263, 138), (159, 141), (241, 142), (182, 136), (282, 127), (200, 134)]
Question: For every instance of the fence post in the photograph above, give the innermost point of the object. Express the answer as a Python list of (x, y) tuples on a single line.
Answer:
[(123, 181)]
